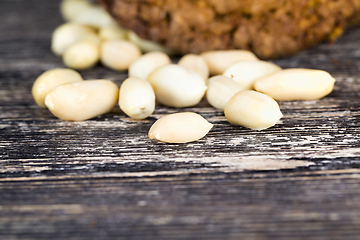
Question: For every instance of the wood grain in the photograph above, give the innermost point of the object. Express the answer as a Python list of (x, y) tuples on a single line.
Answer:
[(104, 179)]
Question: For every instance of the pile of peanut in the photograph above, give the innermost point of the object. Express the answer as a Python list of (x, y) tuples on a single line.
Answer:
[(245, 87)]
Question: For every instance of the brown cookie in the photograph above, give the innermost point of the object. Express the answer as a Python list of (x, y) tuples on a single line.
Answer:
[(269, 28)]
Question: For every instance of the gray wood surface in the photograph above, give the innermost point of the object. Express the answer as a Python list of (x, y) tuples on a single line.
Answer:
[(105, 179)]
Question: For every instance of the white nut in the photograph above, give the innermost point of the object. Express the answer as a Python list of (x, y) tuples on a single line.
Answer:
[(112, 32), (147, 63), (82, 55), (180, 128), (252, 110), (196, 63), (177, 86), (246, 72), (220, 90), (69, 9), (70, 33), (137, 98), (82, 100), (119, 54), (51, 79), (148, 46), (94, 16), (296, 84), (219, 61)]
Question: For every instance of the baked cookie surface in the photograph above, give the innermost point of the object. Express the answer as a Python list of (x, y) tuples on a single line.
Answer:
[(269, 28)]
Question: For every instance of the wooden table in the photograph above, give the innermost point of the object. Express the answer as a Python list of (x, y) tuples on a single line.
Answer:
[(105, 179)]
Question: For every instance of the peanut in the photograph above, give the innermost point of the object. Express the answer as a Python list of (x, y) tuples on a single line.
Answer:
[(82, 55), (296, 84), (70, 33), (253, 110), (112, 32), (50, 79), (219, 61), (137, 98), (94, 16), (177, 86), (220, 90), (195, 63), (119, 54), (246, 72), (180, 128), (69, 9), (83, 100), (147, 63)]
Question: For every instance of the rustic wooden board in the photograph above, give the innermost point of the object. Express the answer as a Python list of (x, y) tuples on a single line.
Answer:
[(104, 179)]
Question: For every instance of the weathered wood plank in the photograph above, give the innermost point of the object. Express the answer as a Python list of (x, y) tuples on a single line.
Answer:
[(235, 205), (104, 179)]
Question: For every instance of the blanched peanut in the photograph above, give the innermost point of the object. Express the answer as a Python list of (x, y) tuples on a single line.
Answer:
[(177, 86), (252, 110), (94, 16), (69, 9), (147, 63), (195, 63), (69, 33), (51, 79), (112, 32), (82, 55), (82, 100), (220, 90), (180, 128), (146, 45), (296, 84), (119, 54), (137, 98), (219, 61), (246, 72)]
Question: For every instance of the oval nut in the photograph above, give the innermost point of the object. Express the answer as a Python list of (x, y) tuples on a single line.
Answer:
[(82, 55), (177, 86), (180, 128), (296, 84), (69, 9), (220, 90), (50, 79), (137, 98), (246, 72), (94, 16), (219, 60), (196, 63), (69, 33), (119, 54), (112, 32), (253, 110), (82, 100), (147, 63)]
